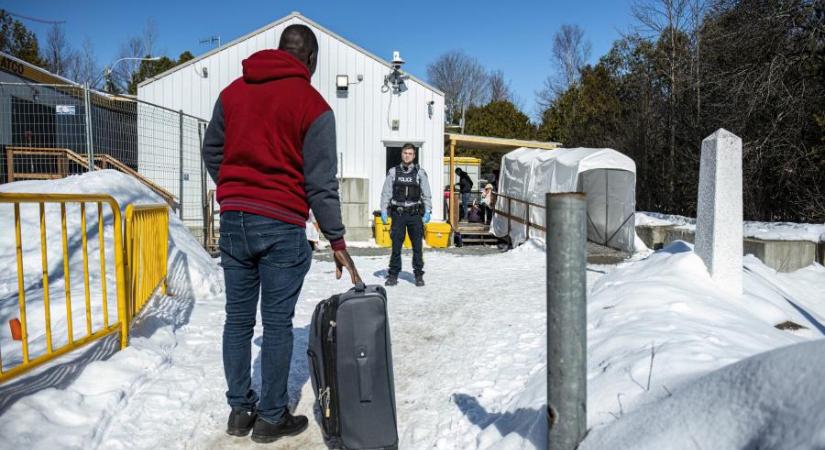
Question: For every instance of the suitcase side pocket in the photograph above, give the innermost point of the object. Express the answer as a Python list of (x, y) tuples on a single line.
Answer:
[(316, 377), (364, 374)]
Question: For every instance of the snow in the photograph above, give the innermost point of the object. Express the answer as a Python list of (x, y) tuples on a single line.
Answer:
[(469, 354), (771, 400), (780, 231), (191, 271), (166, 389)]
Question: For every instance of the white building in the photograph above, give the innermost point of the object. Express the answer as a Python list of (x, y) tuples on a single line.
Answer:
[(372, 120)]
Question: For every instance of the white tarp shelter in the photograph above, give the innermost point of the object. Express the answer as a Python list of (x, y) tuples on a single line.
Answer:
[(605, 175)]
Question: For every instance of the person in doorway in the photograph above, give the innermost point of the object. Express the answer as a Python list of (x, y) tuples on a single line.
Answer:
[(487, 204), (270, 148), (406, 198), (465, 184)]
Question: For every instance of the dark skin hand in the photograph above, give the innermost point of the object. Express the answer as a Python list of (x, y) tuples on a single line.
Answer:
[(343, 260)]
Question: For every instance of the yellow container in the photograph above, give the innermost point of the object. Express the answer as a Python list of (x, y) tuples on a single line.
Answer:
[(382, 234), (437, 234)]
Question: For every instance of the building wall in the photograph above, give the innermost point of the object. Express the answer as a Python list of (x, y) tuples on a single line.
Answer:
[(363, 116), (54, 116)]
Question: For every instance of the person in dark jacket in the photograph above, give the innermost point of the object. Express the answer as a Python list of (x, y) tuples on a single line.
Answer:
[(465, 184), (270, 148), (406, 196)]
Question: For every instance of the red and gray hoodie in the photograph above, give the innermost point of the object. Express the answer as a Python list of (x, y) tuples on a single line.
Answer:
[(270, 146)]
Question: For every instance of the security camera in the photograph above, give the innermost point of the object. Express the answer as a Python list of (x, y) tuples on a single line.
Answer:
[(397, 62)]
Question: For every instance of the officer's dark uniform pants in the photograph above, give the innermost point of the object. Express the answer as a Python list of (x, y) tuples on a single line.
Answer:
[(403, 223)]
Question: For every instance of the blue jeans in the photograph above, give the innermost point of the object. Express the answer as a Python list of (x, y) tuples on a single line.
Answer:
[(267, 258), (465, 200)]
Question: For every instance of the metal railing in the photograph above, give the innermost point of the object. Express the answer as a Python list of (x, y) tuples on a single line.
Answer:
[(39, 306), (95, 327), (147, 236), (33, 163), (508, 213)]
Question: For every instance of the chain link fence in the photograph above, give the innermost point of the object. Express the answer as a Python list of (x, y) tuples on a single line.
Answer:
[(53, 131)]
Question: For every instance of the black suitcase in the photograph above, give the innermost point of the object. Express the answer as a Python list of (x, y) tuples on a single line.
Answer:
[(350, 363)]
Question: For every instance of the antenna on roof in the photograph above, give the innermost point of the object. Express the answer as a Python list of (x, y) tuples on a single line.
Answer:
[(211, 40)]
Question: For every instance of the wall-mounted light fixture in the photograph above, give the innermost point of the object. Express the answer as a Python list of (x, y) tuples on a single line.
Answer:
[(342, 83), (430, 108)]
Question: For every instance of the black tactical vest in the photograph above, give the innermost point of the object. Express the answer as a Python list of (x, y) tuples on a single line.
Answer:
[(405, 188)]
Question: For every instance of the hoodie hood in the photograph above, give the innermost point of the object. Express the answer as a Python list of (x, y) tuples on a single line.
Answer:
[(268, 65)]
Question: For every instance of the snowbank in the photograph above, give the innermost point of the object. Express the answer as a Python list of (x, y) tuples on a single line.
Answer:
[(184, 250), (780, 231), (771, 400), (654, 328), (191, 272)]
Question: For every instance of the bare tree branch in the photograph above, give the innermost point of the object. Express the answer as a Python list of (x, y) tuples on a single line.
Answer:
[(463, 80)]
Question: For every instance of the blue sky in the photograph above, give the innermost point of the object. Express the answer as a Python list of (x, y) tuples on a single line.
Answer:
[(513, 36)]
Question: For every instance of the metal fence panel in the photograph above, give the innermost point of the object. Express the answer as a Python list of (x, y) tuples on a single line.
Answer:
[(52, 131)]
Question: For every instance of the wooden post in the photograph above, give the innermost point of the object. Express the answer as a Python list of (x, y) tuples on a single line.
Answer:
[(509, 214), (527, 218), (9, 165), (63, 164)]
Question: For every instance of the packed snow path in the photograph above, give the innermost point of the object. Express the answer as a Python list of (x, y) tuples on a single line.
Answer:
[(462, 346)]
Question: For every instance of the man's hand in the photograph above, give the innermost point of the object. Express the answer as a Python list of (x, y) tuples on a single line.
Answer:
[(384, 217), (426, 217), (342, 260)]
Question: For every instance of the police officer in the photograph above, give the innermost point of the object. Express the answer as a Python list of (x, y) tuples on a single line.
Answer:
[(406, 198)]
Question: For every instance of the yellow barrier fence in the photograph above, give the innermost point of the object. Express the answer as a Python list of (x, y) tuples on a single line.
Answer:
[(147, 235), (147, 229)]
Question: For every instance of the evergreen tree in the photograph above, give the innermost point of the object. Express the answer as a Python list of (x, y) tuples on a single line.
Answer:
[(19, 41)]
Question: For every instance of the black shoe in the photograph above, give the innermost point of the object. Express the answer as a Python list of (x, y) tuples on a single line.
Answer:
[(265, 432), (392, 280), (240, 421), (419, 280)]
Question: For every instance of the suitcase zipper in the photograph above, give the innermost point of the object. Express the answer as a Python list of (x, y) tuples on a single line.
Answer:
[(330, 404)]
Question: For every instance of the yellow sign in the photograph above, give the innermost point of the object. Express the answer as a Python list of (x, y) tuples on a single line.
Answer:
[(28, 71)]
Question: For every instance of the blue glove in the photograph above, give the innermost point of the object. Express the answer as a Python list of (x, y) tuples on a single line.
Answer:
[(384, 217), (426, 217)]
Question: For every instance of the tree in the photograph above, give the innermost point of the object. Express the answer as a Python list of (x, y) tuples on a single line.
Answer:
[(140, 46), (18, 41), (463, 80), (499, 88), (754, 67), (667, 19), (497, 119), (83, 67), (59, 55), (570, 53), (149, 69), (587, 114)]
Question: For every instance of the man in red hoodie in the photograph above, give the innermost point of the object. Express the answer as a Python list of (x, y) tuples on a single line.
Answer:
[(270, 147)]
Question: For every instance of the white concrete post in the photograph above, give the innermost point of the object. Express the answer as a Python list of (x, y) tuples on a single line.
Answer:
[(719, 209)]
